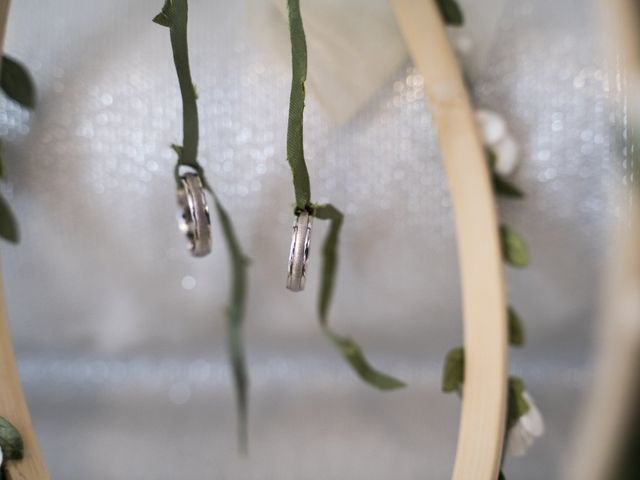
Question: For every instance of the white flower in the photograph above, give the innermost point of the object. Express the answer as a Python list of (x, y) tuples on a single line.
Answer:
[(495, 135), (525, 431), (1, 457)]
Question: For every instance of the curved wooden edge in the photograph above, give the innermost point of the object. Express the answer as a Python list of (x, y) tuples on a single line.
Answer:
[(603, 422), (13, 406), (482, 424)]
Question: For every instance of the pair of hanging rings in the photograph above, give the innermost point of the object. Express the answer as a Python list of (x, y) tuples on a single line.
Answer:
[(195, 223)]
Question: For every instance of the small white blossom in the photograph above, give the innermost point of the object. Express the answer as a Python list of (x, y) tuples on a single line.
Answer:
[(528, 427), (507, 156), (495, 135)]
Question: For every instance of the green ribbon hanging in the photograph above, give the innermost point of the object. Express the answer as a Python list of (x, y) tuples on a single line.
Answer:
[(347, 347), (174, 15)]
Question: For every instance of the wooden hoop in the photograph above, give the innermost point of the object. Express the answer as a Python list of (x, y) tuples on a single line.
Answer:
[(482, 424)]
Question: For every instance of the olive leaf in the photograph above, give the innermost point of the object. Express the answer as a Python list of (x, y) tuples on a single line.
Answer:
[(451, 12), (517, 405), (516, 329), (10, 441), (174, 15), (514, 248), (16, 82), (349, 349), (453, 371)]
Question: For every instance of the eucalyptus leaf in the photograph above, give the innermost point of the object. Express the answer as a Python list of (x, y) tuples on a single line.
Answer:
[(174, 15), (514, 248), (516, 329), (10, 441), (453, 371), (295, 146), (349, 349), (16, 82), (517, 405), (8, 224), (451, 12)]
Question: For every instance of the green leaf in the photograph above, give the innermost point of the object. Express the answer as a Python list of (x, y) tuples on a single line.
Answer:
[(505, 188), (295, 146), (352, 352), (517, 404), (8, 224), (516, 330), (514, 248), (10, 441), (16, 82), (501, 476), (501, 186), (164, 17), (453, 371), (451, 12), (349, 349)]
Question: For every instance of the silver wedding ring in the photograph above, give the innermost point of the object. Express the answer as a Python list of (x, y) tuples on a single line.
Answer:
[(299, 253), (194, 218)]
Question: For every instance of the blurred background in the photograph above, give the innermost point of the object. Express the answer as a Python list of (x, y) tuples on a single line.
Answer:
[(120, 334)]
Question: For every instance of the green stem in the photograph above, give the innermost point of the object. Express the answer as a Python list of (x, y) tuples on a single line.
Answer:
[(174, 15)]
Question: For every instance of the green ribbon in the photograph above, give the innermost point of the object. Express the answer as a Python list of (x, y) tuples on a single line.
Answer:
[(347, 347), (174, 15), (295, 146)]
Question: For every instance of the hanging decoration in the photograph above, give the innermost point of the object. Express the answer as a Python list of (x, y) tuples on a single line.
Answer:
[(305, 210), (174, 15)]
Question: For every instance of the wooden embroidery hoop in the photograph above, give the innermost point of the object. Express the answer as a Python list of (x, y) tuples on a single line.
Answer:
[(605, 418), (13, 406), (482, 423)]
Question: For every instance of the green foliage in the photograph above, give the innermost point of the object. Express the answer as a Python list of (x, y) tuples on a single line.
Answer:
[(10, 441), (16, 82), (453, 371), (517, 405), (516, 329), (8, 224), (451, 12), (514, 248)]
